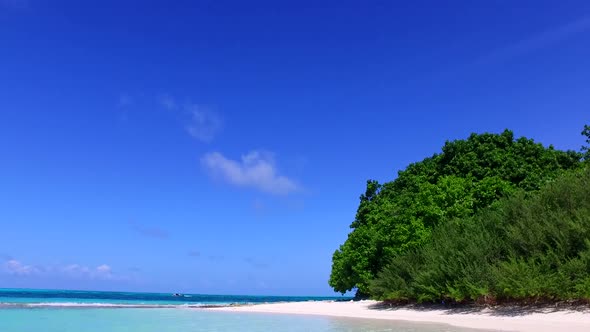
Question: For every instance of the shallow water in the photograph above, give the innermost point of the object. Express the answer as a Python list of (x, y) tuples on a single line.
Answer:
[(189, 320), (69, 298), (29, 310)]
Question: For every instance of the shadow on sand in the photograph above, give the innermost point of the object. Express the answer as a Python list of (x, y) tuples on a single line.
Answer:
[(506, 310)]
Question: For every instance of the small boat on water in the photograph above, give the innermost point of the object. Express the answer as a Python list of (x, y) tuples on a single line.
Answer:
[(177, 295)]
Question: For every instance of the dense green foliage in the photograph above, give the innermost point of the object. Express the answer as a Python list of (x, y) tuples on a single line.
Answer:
[(531, 246), (469, 175)]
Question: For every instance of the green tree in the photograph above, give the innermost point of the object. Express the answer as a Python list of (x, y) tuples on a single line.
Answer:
[(467, 176), (527, 247)]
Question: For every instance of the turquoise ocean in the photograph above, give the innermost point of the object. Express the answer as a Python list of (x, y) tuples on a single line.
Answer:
[(26, 310)]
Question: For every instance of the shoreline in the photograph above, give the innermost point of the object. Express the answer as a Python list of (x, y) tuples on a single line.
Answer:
[(515, 318)]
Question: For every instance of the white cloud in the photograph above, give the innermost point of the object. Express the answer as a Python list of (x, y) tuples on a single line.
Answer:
[(102, 272), (104, 268), (204, 124), (13, 266), (79, 271), (201, 123), (76, 269), (255, 169)]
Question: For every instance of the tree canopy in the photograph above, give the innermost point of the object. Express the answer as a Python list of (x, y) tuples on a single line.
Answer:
[(469, 175), (528, 247)]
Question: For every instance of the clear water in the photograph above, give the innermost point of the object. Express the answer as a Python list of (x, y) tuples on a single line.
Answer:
[(68, 298), (67, 311), (187, 320)]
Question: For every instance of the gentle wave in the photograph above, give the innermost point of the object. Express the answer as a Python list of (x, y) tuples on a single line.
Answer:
[(39, 298), (106, 305)]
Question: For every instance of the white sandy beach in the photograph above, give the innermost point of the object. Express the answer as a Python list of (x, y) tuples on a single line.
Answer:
[(506, 320)]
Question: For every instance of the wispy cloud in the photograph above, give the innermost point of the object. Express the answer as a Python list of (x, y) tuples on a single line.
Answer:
[(204, 124), (511, 51), (152, 232), (544, 39), (12, 266), (255, 169), (101, 272), (103, 268)]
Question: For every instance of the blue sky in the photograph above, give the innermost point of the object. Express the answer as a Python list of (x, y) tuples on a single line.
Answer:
[(221, 147)]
